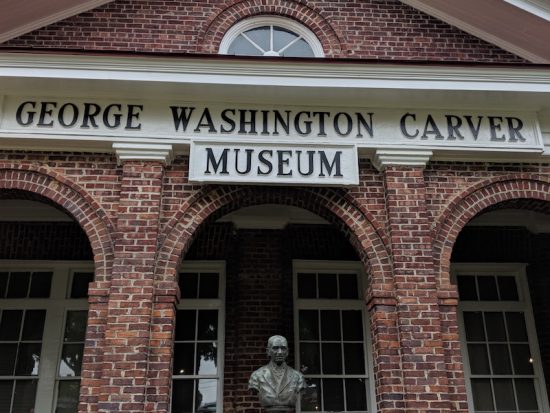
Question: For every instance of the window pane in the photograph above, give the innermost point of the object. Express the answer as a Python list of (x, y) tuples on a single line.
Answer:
[(356, 394), (516, 326), (328, 287), (309, 324), (479, 361), (41, 283), (527, 398), (354, 358), (333, 395), (189, 283), (282, 37), (182, 396), (185, 324), (18, 285), (299, 49), (352, 323), (34, 325), (70, 364), (183, 358), (482, 394), (507, 288), (307, 286), (330, 325), (81, 281), (504, 394), (75, 327), (10, 325), (500, 359), (467, 288), (6, 388), (28, 359), (67, 397), (209, 286), (3, 284), (332, 358), (309, 358), (487, 288), (207, 358), (208, 325), (473, 323), (494, 322), (23, 398), (260, 36), (311, 396), (206, 396), (7, 361), (242, 47), (521, 357), (348, 286)]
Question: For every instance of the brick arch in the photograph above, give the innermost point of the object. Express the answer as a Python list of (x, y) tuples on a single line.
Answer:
[(213, 30), (360, 227), (483, 196), (73, 199)]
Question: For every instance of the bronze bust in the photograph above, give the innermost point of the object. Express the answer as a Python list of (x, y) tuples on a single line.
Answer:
[(277, 384)]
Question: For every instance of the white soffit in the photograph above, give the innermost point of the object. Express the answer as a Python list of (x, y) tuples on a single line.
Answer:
[(30, 211), (20, 17), (535, 222), (270, 216), (512, 25)]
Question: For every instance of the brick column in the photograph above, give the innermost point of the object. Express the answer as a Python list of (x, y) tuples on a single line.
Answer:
[(131, 295), (423, 356)]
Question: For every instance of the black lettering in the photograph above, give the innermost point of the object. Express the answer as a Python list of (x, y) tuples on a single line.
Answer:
[(453, 127), (210, 159), (209, 123), (336, 164), (298, 123), (283, 158), (431, 129), (265, 122), (515, 130), (243, 122), (30, 114), (474, 129), (228, 120), (116, 116), (337, 123), (181, 116), (403, 124), (45, 111), (321, 116), (91, 110), (61, 115), (248, 161), (310, 162), (133, 114), (361, 121), (495, 127), (285, 123), (264, 161)]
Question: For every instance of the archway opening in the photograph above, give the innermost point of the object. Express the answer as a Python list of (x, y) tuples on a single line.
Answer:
[(265, 270), (500, 265), (46, 264)]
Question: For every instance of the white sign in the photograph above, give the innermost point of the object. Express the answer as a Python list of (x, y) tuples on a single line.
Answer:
[(260, 163)]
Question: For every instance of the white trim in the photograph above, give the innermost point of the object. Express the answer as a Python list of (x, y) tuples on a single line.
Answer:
[(386, 157), (518, 270), (540, 8), (143, 151), (340, 267), (56, 307), (254, 22), (218, 267), (52, 18)]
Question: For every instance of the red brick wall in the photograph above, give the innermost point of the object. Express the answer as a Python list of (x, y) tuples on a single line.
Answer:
[(370, 29)]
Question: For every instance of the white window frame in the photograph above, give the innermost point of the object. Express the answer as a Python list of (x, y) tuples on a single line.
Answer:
[(206, 304), (330, 267), (288, 24), (518, 270), (56, 306)]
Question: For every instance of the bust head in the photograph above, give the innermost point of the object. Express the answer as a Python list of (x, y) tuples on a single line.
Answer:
[(277, 349)]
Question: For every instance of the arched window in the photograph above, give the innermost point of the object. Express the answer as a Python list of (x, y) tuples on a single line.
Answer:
[(270, 36)]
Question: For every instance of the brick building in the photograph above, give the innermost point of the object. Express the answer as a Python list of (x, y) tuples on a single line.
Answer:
[(180, 180)]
